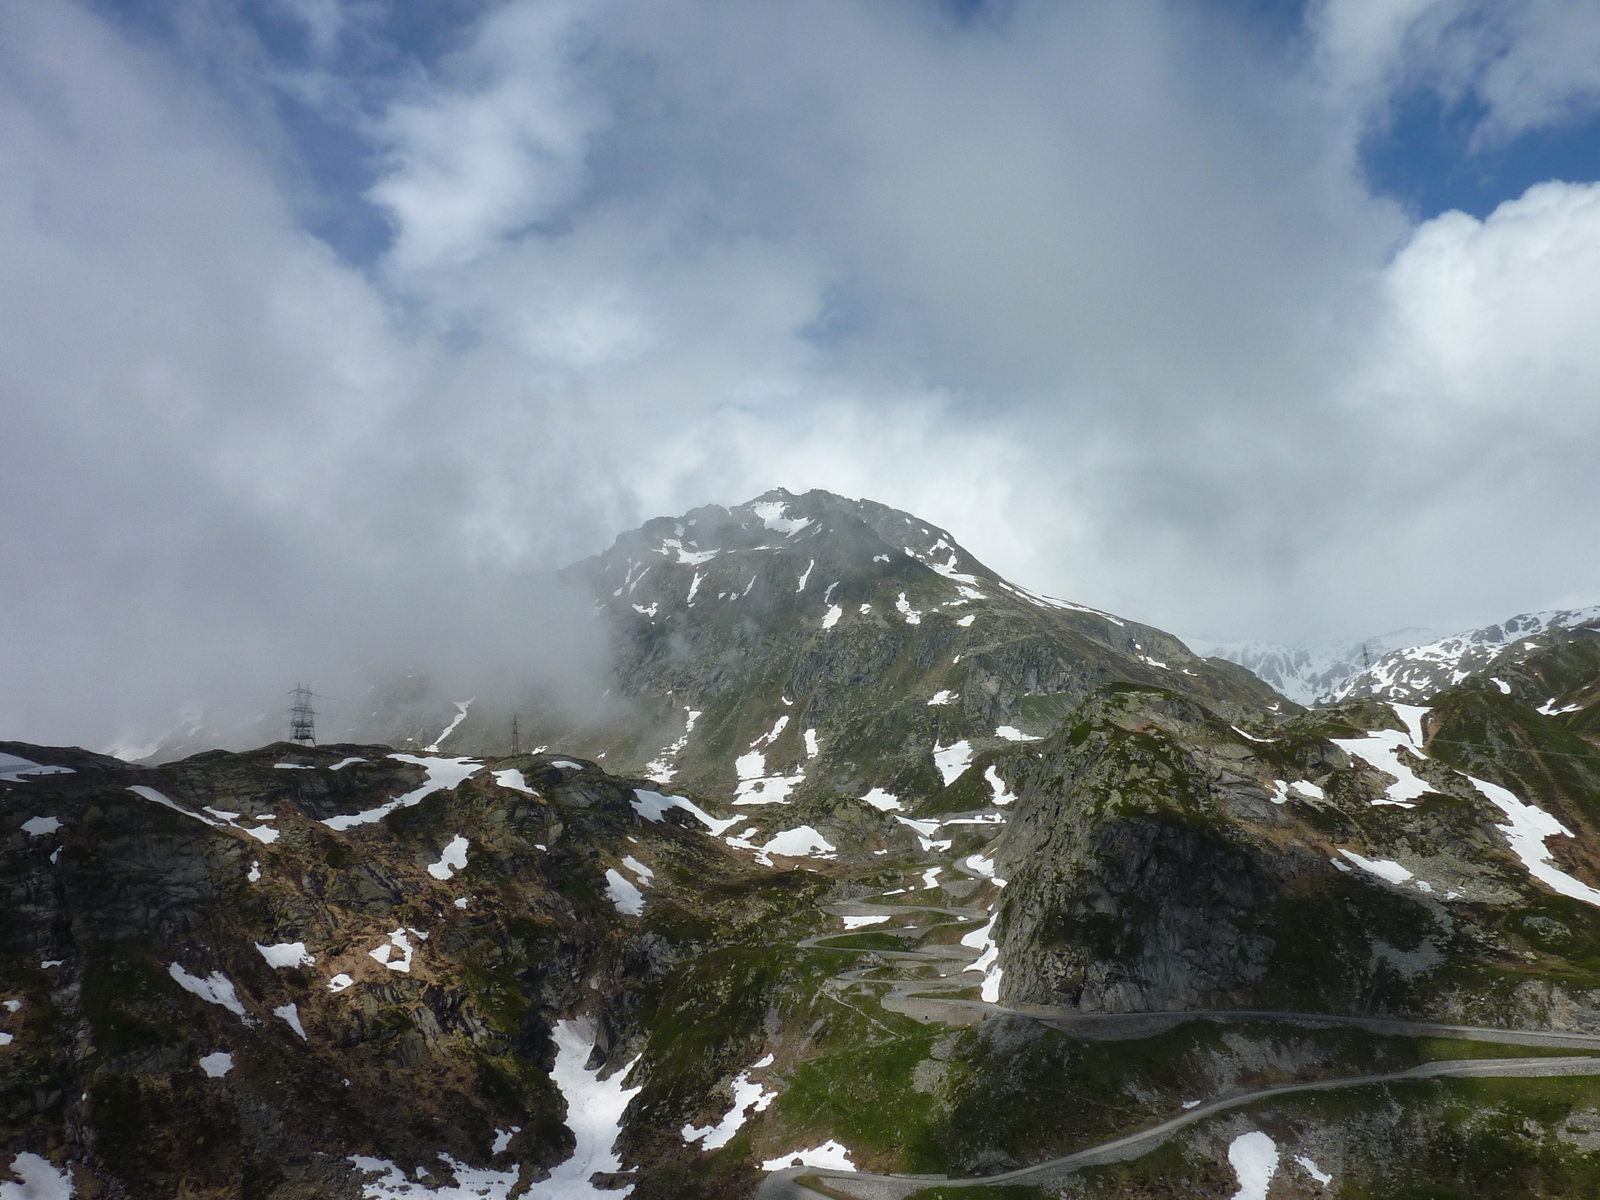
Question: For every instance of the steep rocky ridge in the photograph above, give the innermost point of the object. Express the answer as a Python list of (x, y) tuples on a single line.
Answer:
[(1162, 859), (943, 878), (843, 644)]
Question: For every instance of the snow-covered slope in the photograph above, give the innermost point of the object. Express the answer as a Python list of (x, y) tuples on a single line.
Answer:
[(1416, 673), (1312, 669)]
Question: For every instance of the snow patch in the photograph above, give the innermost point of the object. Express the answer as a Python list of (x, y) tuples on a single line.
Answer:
[(979, 865), (339, 983), (1529, 828), (472, 1183), (217, 1065), (1384, 869), (461, 715), (452, 860), (345, 762), (755, 785), (215, 988), (443, 773), (772, 514), (800, 842), (623, 893), (939, 698), (397, 941), (262, 833), (1051, 602), (882, 801), (287, 954), (155, 797), (806, 575), (772, 735), (39, 826), (952, 760), (502, 1139), (18, 770), (863, 922), (41, 1180), (747, 1098), (831, 617), (664, 767), (594, 1114), (988, 961), (1311, 1169), (653, 805), (1381, 749), (912, 616), (1012, 734), (1002, 794), (291, 1014), (512, 780), (1254, 1158), (925, 830), (828, 1156), (966, 621)]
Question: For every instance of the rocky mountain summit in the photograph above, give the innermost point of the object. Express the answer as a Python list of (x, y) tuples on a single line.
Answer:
[(875, 875)]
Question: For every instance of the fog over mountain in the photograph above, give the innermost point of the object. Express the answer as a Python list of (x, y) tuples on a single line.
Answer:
[(328, 326)]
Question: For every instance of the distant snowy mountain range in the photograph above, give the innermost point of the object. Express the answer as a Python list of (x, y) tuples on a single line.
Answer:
[(1406, 665), (1312, 670)]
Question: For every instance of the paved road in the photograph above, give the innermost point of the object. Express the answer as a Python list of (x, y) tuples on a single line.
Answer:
[(782, 1185), (932, 1000)]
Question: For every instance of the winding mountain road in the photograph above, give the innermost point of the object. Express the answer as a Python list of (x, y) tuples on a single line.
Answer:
[(920, 998)]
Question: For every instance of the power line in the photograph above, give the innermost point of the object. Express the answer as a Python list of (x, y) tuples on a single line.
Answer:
[(1514, 750)]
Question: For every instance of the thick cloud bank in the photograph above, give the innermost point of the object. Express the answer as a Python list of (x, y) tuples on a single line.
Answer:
[(1103, 288)]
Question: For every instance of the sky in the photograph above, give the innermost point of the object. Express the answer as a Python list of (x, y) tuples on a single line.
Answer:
[(329, 326)]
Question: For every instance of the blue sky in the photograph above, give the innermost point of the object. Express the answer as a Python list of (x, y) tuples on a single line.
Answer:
[(1241, 318), (1420, 152)]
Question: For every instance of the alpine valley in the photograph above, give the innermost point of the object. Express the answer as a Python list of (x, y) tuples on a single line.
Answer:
[(874, 875)]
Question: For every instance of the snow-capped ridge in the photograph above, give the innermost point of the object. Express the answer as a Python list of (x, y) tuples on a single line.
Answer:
[(1415, 673)]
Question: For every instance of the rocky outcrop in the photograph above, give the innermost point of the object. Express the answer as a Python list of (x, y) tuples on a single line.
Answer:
[(1161, 859), (228, 976)]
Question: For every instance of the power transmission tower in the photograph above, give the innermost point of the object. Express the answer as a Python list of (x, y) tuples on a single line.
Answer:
[(1366, 659), (516, 737), (302, 727)]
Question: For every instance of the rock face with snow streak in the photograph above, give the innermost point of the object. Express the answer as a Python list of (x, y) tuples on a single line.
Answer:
[(1161, 859), (802, 650), (190, 1006)]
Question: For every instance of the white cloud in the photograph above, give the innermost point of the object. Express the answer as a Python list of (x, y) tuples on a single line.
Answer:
[(1498, 315), (1098, 287), (1530, 64), (494, 146)]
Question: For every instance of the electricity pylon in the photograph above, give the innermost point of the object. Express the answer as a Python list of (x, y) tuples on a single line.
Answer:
[(302, 726)]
